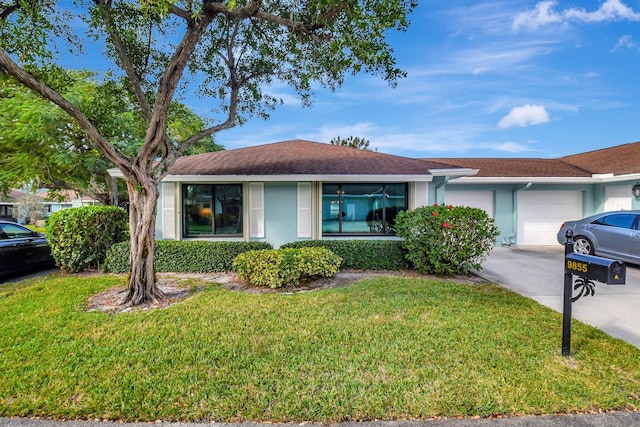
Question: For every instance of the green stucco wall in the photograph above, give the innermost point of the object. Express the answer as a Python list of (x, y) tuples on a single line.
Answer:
[(505, 198), (437, 188), (280, 213)]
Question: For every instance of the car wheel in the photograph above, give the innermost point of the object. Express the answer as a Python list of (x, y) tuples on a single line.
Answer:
[(582, 245)]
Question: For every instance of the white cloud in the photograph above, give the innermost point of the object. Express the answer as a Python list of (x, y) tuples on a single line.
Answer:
[(626, 42), (511, 147), (610, 10), (541, 15), (443, 141), (544, 14), (479, 70), (497, 56), (525, 115)]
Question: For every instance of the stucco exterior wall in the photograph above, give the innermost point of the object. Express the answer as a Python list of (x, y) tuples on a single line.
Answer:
[(280, 210), (280, 213), (506, 202)]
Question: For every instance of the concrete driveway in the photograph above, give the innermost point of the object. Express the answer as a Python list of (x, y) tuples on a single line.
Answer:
[(538, 272)]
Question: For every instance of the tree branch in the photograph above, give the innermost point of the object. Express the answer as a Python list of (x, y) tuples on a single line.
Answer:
[(125, 62), (9, 10), (112, 153), (227, 124), (166, 88), (253, 10), (177, 11)]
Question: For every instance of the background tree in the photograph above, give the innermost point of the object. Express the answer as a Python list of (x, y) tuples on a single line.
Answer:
[(42, 147), (352, 141), (228, 51), (28, 208)]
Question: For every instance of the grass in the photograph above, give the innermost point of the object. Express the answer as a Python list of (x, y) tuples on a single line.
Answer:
[(384, 348), (36, 228)]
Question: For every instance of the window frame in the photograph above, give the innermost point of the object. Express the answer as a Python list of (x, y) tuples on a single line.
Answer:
[(341, 192), (212, 192)]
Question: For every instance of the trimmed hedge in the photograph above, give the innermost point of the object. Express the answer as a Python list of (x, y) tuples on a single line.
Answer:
[(362, 254), (281, 267), (185, 256), (80, 237)]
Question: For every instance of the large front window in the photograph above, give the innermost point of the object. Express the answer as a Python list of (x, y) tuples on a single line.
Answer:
[(212, 210), (362, 208)]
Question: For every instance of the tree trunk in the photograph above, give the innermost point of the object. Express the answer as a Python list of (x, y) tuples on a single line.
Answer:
[(142, 224), (112, 187)]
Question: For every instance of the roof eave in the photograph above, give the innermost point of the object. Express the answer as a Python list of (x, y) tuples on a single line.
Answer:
[(297, 178), (454, 173), (545, 179)]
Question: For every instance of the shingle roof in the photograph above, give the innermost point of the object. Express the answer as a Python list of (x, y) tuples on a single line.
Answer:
[(12, 197), (619, 160), (490, 167), (299, 157)]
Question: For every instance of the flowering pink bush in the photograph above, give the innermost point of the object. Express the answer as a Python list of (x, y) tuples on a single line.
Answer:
[(446, 239)]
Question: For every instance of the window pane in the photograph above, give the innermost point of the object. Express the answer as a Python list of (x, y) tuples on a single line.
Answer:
[(359, 202), (197, 210), (228, 209), (330, 208), (361, 208), (619, 220), (396, 201), (12, 231)]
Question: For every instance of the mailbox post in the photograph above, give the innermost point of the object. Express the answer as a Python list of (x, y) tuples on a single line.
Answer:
[(588, 268), (568, 293)]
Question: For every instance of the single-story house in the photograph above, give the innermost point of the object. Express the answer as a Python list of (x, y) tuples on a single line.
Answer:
[(530, 198), (295, 190), (6, 205), (50, 203)]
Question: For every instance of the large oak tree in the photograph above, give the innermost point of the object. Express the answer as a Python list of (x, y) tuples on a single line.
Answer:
[(229, 51)]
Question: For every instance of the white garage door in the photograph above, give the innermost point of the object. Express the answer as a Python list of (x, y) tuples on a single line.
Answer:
[(541, 213), (617, 198), (475, 199)]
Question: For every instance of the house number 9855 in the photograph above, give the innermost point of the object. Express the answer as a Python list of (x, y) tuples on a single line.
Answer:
[(577, 266)]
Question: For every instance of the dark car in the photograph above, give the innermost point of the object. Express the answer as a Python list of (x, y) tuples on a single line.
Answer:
[(610, 235), (22, 249)]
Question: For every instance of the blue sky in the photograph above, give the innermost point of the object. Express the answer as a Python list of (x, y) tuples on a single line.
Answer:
[(485, 79)]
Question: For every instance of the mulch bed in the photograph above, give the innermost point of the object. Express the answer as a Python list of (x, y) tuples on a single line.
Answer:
[(174, 289)]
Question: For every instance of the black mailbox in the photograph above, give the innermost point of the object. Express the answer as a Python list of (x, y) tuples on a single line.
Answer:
[(596, 268)]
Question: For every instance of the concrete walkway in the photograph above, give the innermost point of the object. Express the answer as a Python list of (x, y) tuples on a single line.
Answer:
[(616, 419), (538, 272)]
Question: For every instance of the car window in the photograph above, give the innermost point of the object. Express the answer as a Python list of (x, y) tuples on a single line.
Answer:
[(617, 220), (11, 231)]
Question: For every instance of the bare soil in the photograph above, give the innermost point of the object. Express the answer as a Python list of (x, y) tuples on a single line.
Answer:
[(178, 286)]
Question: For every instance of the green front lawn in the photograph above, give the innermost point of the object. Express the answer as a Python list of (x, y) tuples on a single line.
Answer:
[(385, 348)]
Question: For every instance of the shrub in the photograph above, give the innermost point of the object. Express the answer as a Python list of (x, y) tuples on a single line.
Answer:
[(362, 254), (80, 237), (184, 256), (374, 219), (280, 267), (446, 239)]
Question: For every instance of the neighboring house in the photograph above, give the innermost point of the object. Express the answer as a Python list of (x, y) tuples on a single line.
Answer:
[(531, 198), (6, 204), (64, 199), (294, 190)]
